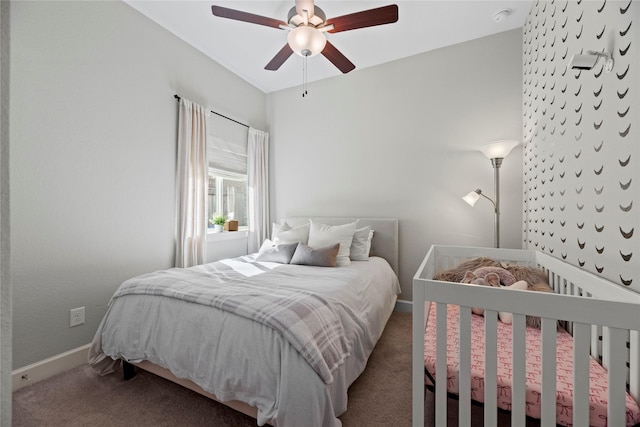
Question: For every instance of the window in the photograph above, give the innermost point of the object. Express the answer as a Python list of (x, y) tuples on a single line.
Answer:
[(227, 193), (227, 196)]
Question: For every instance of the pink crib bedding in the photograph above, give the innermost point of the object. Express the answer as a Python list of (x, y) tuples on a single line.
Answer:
[(564, 370)]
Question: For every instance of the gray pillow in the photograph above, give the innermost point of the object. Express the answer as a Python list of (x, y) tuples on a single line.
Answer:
[(321, 257), (282, 253)]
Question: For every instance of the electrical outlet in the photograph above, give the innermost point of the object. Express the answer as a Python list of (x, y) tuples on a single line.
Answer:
[(76, 317)]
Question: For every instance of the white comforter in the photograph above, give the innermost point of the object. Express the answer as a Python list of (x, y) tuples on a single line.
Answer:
[(236, 358)]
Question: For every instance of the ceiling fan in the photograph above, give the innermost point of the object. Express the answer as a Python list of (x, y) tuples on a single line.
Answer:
[(307, 24)]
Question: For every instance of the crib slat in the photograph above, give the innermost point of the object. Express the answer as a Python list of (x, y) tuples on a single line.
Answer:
[(627, 359), (605, 348), (441, 364), (616, 375), (548, 415), (595, 338), (490, 368), (518, 389), (464, 381), (634, 363), (581, 341), (418, 326)]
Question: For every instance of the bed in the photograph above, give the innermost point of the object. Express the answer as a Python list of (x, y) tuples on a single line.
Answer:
[(580, 367), (279, 342)]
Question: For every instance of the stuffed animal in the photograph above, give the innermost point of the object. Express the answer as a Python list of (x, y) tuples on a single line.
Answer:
[(528, 274), (491, 279), (533, 321), (457, 273), (520, 272), (504, 316), (505, 277), (478, 271)]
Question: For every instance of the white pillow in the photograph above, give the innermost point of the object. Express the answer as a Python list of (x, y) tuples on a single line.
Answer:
[(275, 228), (285, 234), (322, 235), (361, 244)]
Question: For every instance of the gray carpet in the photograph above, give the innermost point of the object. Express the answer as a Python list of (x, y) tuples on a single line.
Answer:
[(380, 397)]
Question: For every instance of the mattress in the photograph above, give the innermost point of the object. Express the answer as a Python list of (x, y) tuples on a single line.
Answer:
[(237, 358), (564, 369)]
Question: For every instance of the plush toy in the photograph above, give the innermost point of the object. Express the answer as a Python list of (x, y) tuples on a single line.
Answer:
[(457, 273), (491, 279), (533, 321), (520, 272), (488, 276), (505, 277), (494, 279), (504, 316), (485, 271), (528, 274)]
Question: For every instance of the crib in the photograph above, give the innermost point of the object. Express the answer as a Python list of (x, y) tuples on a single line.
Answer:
[(602, 317)]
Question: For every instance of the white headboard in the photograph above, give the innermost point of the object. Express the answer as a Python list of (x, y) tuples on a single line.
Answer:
[(385, 233)]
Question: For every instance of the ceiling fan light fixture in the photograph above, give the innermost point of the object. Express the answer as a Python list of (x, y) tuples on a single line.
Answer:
[(306, 41)]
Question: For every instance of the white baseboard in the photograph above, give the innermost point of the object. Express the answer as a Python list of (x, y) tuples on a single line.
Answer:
[(404, 306), (49, 367)]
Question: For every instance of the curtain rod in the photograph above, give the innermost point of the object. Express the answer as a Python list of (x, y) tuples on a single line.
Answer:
[(221, 115)]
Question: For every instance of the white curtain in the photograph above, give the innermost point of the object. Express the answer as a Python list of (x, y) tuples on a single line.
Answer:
[(257, 177), (191, 197)]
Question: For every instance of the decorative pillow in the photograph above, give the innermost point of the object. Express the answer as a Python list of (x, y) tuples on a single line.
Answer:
[(320, 257), (270, 252), (361, 244), (321, 235), (291, 235)]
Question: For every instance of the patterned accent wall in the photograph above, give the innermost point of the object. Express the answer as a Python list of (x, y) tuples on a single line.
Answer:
[(582, 137)]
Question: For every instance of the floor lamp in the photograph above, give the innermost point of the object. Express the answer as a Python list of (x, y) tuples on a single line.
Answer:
[(496, 152)]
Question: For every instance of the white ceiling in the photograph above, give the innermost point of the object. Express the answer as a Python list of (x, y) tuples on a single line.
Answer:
[(246, 48)]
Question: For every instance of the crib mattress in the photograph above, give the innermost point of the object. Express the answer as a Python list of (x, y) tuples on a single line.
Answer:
[(564, 370)]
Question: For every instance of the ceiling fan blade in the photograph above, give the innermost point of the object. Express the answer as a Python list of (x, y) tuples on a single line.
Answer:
[(337, 58), (279, 59), (225, 12), (366, 18)]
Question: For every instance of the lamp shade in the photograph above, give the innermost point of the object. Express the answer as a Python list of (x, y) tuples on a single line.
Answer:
[(472, 197), (306, 41), (499, 149)]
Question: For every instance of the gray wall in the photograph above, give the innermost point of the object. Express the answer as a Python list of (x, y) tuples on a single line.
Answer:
[(5, 247), (93, 152), (93, 130), (401, 140), (581, 174)]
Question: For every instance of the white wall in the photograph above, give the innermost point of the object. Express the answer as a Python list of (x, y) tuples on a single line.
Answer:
[(581, 160), (93, 146), (401, 140)]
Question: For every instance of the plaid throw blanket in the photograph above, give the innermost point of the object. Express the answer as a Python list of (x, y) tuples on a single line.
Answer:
[(306, 320)]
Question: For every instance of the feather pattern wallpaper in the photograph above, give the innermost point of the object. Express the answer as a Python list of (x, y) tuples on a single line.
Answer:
[(581, 136)]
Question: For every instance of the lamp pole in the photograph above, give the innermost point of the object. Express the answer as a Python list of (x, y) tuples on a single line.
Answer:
[(496, 163), (496, 152)]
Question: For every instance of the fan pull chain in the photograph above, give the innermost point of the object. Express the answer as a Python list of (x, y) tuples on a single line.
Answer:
[(304, 76)]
